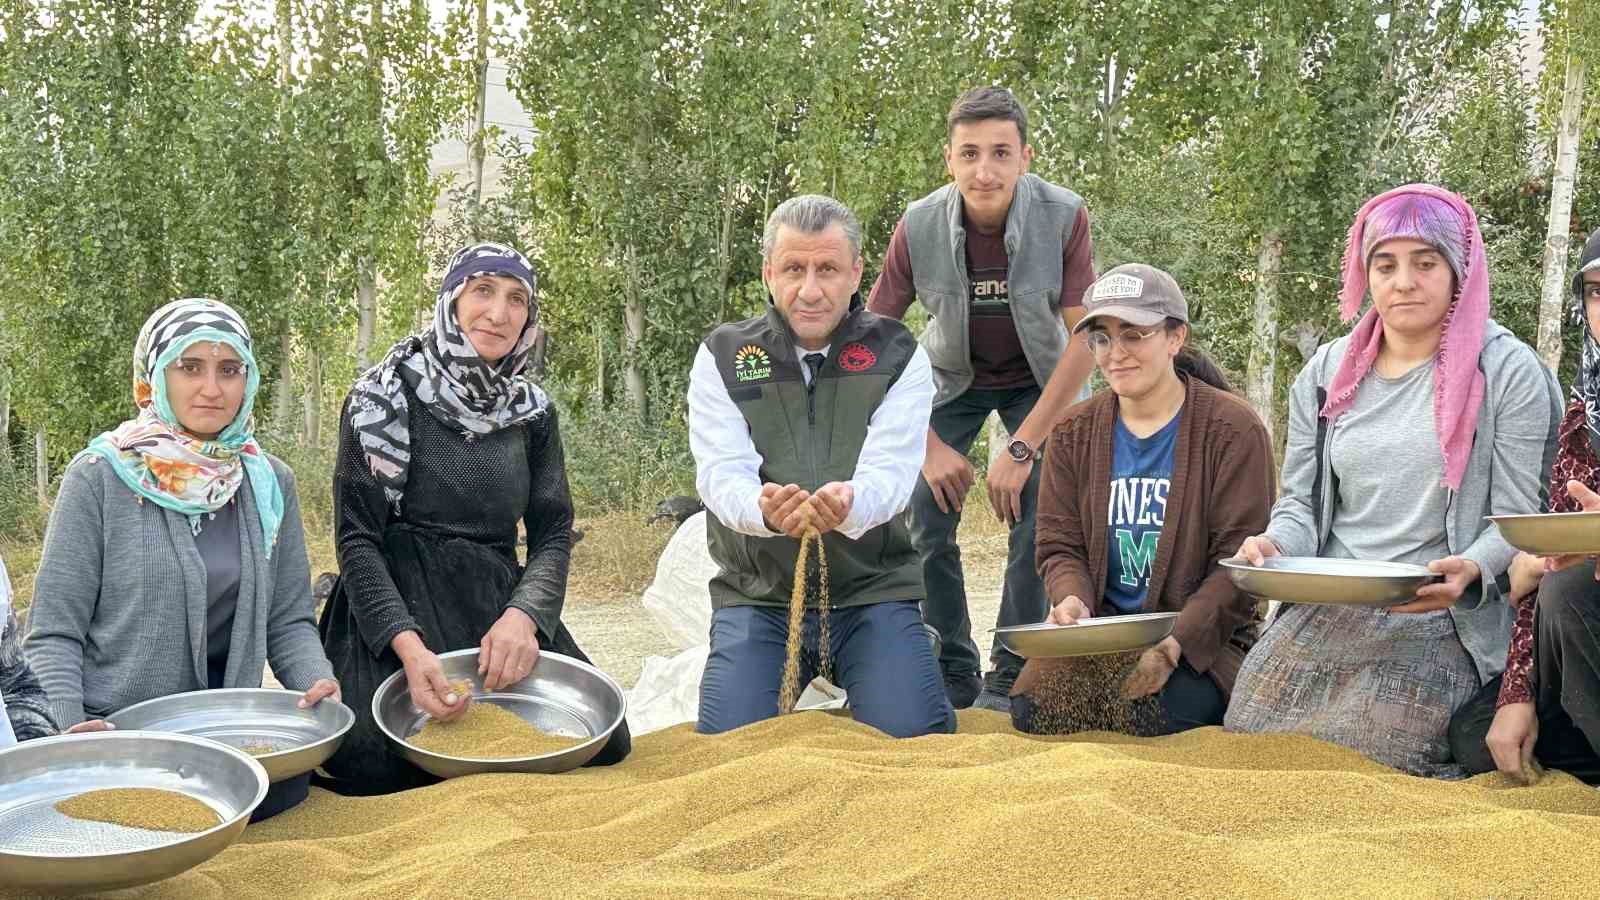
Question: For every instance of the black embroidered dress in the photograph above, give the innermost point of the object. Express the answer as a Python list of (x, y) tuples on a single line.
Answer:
[(445, 565)]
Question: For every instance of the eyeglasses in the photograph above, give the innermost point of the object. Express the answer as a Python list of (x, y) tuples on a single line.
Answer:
[(1129, 341)]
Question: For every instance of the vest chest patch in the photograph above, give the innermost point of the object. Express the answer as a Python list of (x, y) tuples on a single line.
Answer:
[(857, 357), (751, 363)]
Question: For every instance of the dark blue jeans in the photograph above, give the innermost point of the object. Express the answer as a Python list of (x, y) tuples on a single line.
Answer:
[(880, 656), (933, 533)]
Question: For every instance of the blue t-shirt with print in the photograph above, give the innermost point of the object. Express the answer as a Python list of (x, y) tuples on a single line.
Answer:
[(1141, 473)]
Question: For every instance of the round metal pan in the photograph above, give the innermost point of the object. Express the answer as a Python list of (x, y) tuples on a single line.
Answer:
[(1552, 534), (560, 696), (1106, 634), (250, 719), (1332, 582), (43, 850)]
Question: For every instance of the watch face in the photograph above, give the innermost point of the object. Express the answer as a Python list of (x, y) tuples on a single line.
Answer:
[(1019, 451)]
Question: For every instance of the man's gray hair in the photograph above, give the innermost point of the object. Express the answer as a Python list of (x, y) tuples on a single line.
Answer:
[(809, 214)]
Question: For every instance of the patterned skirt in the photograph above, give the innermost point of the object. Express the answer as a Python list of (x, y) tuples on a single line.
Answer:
[(1382, 684)]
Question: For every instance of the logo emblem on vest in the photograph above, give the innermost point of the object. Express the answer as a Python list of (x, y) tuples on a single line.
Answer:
[(751, 363), (855, 357)]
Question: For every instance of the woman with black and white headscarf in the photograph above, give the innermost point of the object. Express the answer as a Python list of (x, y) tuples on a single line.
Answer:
[(443, 447), (1546, 707)]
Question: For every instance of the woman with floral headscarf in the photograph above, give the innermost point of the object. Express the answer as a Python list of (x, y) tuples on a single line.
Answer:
[(174, 560), (443, 448), (1403, 435), (1546, 707)]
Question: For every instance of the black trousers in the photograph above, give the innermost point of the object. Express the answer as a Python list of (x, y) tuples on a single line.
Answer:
[(1189, 700), (1566, 683)]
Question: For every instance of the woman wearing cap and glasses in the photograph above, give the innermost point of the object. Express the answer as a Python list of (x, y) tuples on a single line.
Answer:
[(1403, 435), (1144, 488), (174, 560), (443, 448)]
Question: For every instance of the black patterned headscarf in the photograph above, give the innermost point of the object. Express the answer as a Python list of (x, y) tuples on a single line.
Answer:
[(1587, 385), (456, 385)]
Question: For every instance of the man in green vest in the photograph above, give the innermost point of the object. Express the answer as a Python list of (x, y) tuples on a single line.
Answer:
[(814, 414), (1000, 259)]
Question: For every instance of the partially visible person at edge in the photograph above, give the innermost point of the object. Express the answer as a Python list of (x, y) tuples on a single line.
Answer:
[(174, 560), (1424, 368), (24, 707), (1000, 259), (814, 414), (1145, 488), (444, 447), (1546, 706)]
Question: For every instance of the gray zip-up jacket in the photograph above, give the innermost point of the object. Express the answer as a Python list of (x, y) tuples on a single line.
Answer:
[(1511, 453), (119, 604)]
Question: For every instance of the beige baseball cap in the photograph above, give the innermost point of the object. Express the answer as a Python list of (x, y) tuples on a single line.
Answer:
[(1135, 293)]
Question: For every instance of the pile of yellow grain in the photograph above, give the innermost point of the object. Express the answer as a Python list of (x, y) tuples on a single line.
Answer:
[(814, 805), (486, 731), (146, 808)]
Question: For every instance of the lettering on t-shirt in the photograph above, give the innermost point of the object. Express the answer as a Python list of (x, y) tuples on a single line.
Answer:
[(992, 290), (1137, 511)]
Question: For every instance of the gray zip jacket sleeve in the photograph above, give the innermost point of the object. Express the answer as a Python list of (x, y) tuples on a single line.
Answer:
[(1511, 451)]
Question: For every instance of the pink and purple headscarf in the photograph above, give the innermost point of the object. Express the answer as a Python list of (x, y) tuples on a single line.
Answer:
[(1446, 222)]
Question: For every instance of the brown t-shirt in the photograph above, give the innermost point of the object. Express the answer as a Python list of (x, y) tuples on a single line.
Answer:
[(997, 357)]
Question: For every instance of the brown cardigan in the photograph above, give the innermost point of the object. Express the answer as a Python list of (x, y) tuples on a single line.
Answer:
[(1222, 490)]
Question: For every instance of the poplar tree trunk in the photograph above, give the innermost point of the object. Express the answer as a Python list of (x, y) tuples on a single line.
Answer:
[(1261, 374), (479, 117), (366, 313), (313, 399), (1552, 292)]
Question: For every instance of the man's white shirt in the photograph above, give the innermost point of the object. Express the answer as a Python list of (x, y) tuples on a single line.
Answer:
[(728, 468)]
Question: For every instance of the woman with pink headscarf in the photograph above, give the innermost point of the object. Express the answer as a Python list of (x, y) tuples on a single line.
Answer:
[(1403, 435)]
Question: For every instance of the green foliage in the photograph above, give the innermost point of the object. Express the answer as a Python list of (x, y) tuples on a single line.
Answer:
[(149, 155), (150, 151)]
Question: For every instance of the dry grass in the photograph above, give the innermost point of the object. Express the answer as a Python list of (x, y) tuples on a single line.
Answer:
[(615, 560), (21, 557), (617, 556)]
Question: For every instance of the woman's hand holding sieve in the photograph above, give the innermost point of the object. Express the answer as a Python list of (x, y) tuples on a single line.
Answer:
[(1068, 611), (322, 689), (1588, 501), (1255, 550), (1458, 571)]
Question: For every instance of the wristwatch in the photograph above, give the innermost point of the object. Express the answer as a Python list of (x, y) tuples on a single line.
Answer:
[(1021, 452)]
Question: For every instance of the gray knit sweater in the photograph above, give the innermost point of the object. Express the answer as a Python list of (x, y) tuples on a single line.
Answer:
[(119, 604)]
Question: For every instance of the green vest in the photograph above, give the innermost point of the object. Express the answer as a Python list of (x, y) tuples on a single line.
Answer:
[(809, 438)]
